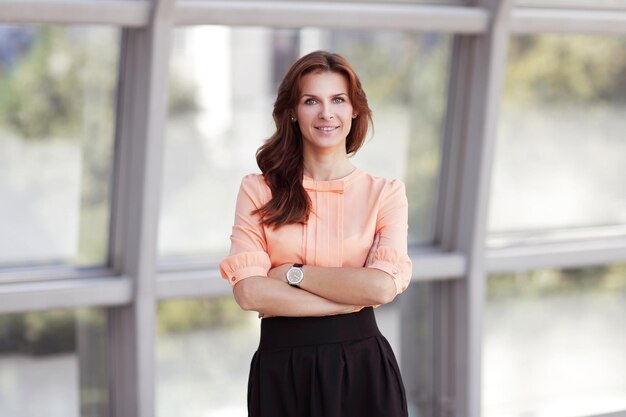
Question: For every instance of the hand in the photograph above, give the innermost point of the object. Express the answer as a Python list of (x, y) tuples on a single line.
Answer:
[(373, 249), (280, 272)]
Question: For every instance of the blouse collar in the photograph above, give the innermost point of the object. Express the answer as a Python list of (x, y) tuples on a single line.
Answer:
[(337, 186)]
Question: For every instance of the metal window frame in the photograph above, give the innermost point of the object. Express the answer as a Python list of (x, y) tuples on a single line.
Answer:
[(142, 111), (333, 14), (599, 22), (69, 293), (561, 255), (17, 275), (104, 12), (473, 105), (573, 4), (460, 263)]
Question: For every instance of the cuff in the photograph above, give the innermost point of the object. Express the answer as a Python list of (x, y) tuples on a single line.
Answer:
[(243, 273), (393, 271), (244, 265)]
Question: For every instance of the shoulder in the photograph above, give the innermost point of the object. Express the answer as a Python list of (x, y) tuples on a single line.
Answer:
[(252, 180), (385, 186), (255, 187)]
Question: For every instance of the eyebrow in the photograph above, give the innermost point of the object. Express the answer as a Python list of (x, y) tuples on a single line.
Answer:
[(332, 95)]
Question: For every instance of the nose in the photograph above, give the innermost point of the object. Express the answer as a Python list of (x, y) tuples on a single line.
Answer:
[(326, 113)]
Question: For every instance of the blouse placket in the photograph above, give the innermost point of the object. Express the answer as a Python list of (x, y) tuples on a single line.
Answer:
[(324, 232)]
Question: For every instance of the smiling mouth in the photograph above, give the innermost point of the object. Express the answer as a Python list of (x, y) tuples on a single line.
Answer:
[(327, 129)]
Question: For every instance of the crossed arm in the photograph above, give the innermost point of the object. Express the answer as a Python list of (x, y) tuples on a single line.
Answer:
[(324, 291)]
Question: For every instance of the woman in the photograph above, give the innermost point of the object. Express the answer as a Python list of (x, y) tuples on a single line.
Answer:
[(316, 243)]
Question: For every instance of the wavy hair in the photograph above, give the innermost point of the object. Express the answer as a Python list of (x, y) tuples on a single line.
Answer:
[(281, 158)]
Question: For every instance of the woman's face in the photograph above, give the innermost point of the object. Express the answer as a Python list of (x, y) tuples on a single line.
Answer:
[(324, 112)]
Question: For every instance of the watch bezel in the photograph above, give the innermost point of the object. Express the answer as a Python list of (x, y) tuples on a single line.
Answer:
[(295, 275)]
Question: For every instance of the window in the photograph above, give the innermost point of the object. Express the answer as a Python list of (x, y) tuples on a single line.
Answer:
[(561, 156), (204, 348), (53, 364), (554, 343), (57, 107), (552, 340)]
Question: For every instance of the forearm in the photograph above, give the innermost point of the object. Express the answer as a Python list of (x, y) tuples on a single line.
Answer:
[(354, 286), (274, 298)]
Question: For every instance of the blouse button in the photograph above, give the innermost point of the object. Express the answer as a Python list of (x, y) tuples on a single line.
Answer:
[(233, 278), (395, 272)]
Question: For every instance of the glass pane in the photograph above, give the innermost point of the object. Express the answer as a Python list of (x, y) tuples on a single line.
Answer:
[(57, 122), (53, 364), (220, 113), (204, 349), (554, 343), (419, 348), (561, 155)]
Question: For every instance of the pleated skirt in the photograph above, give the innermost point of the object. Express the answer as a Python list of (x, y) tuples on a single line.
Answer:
[(333, 366)]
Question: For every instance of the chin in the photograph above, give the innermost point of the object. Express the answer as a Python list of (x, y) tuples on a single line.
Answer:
[(326, 144)]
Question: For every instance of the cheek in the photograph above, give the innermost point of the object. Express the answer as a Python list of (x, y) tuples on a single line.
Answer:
[(347, 114), (303, 115), (348, 120), (348, 124)]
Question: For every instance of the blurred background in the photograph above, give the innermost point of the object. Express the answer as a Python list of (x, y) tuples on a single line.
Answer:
[(552, 328)]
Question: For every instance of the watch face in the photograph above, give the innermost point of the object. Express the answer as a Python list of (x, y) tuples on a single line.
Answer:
[(295, 275)]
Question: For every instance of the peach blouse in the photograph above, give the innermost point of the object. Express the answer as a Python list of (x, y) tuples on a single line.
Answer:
[(345, 216)]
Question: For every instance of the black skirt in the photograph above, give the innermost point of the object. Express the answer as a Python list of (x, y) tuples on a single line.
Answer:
[(333, 366)]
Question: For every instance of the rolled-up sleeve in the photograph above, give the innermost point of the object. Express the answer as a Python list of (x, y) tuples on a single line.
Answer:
[(392, 223), (248, 251)]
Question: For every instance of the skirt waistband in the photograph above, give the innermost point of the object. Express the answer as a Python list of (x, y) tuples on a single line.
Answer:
[(279, 332)]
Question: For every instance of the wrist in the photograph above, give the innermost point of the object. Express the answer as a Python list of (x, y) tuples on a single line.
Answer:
[(295, 275)]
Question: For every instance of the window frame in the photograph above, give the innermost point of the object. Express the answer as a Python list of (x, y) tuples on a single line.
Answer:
[(458, 262)]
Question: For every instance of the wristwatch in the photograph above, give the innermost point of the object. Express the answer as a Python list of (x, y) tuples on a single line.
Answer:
[(295, 275)]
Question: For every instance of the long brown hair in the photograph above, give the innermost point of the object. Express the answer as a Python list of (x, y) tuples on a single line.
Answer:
[(281, 158)]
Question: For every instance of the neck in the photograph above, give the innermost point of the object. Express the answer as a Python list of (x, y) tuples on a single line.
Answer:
[(327, 167)]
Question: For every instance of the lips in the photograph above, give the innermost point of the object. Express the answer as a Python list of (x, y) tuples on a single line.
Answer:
[(327, 129)]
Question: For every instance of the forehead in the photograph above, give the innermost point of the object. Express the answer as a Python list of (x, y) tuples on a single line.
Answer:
[(324, 83)]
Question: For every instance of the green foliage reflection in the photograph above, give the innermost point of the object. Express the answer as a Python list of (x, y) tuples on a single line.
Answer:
[(568, 69), (189, 314), (49, 332), (42, 92), (60, 85), (549, 282)]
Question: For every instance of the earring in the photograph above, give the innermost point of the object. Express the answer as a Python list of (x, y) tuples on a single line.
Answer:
[(354, 116), (293, 119)]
